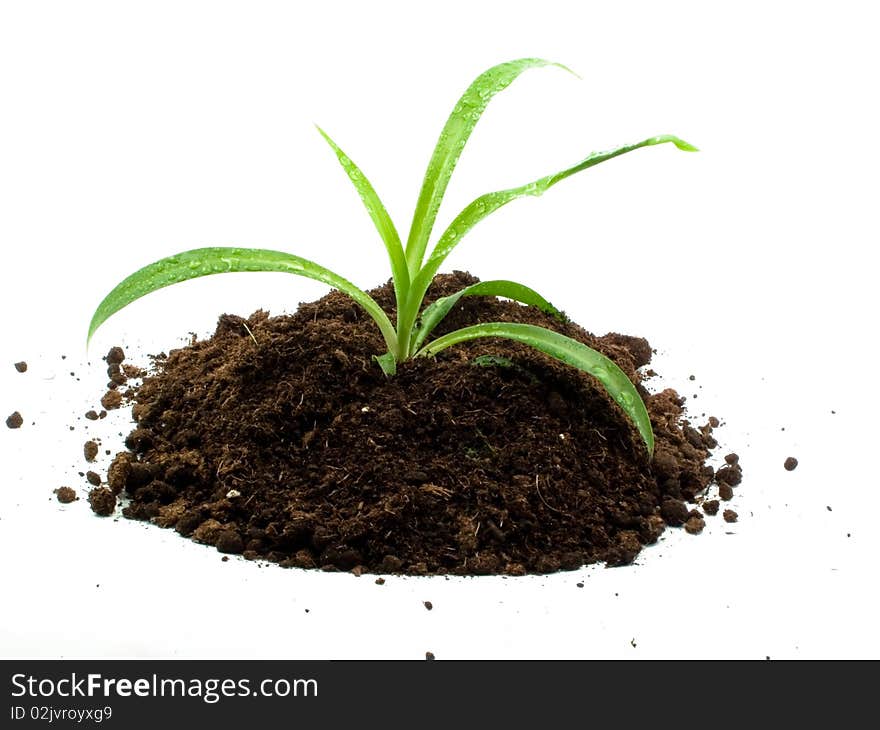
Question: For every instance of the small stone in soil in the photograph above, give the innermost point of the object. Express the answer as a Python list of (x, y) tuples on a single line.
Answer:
[(115, 355), (730, 515), (91, 415), (90, 450), (428, 605), (102, 501), (93, 478), (65, 495), (725, 491), (790, 463), (710, 507), (21, 366), (14, 420)]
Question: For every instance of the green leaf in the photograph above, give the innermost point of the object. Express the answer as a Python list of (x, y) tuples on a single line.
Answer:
[(486, 204), (436, 311), (388, 363), (206, 261), (381, 220), (569, 351), (455, 134)]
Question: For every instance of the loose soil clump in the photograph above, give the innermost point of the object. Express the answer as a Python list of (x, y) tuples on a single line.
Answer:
[(14, 420), (65, 495), (280, 438)]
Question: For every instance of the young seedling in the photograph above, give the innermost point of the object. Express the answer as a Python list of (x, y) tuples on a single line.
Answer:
[(411, 273)]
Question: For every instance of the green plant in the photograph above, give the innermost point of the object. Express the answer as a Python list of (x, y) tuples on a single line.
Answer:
[(411, 273)]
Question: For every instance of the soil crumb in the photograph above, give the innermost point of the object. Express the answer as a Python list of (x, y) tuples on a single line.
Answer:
[(90, 450), (115, 355), (93, 478), (14, 420), (730, 515), (429, 656), (65, 495), (111, 400), (21, 366), (280, 438), (91, 415), (102, 501), (790, 463)]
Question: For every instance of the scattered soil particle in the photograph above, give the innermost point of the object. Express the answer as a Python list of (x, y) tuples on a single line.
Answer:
[(90, 450), (730, 474), (429, 656), (451, 466), (380, 581), (115, 356), (14, 420), (21, 366), (790, 463), (65, 495), (93, 478), (732, 459), (730, 516), (725, 491), (694, 525), (711, 506), (92, 415), (111, 400), (102, 501), (428, 605)]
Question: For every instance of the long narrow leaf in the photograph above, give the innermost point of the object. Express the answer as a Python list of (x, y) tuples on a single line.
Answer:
[(222, 260), (437, 310), (458, 128), (381, 219), (569, 351), (486, 204)]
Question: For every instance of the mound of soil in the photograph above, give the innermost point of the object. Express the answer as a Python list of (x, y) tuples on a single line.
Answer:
[(280, 438)]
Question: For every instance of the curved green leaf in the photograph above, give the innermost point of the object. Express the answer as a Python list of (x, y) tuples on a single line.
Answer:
[(486, 204), (457, 130), (381, 220), (569, 351), (437, 310), (222, 260)]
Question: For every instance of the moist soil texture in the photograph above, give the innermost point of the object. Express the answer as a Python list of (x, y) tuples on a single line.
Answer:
[(280, 438)]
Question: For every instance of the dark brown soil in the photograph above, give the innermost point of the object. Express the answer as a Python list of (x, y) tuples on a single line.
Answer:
[(102, 501), (93, 478), (790, 463), (730, 515), (111, 400), (90, 450), (65, 495), (21, 366), (14, 420), (279, 437)]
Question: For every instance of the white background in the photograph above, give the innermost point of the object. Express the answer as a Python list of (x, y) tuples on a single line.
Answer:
[(130, 131)]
